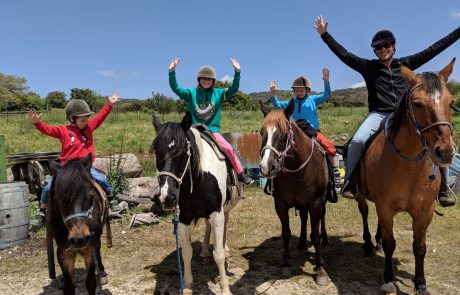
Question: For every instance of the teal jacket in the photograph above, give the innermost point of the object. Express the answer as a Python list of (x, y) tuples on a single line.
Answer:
[(196, 96)]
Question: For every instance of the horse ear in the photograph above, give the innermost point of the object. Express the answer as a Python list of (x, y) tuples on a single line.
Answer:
[(263, 108), (156, 122), (408, 75), (289, 109), (445, 73), (186, 121), (87, 161), (55, 166)]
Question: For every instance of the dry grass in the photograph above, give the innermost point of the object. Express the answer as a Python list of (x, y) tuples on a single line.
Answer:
[(142, 260)]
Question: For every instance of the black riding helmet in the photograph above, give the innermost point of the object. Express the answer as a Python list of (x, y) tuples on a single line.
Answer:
[(383, 37)]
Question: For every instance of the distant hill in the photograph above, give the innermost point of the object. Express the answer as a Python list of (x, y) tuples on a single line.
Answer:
[(340, 97)]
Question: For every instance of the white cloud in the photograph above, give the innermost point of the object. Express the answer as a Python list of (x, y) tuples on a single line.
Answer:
[(455, 14), (107, 74), (359, 84), (226, 78)]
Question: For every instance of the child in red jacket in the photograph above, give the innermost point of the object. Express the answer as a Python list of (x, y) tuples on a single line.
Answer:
[(76, 142)]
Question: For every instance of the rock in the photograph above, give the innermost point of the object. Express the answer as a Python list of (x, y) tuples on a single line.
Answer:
[(143, 187), (128, 163)]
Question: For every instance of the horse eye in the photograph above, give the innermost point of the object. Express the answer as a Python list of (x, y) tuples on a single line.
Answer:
[(418, 104)]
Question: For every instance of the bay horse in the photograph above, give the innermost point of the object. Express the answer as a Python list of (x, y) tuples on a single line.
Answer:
[(298, 171), (77, 210), (196, 183), (399, 171)]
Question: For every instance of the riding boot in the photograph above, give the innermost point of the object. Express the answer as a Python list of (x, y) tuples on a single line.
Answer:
[(349, 190), (244, 178), (39, 220), (444, 198), (331, 194)]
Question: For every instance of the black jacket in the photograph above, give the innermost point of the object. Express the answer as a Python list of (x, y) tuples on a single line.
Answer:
[(386, 85)]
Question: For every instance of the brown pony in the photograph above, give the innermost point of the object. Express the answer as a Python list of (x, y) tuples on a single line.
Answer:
[(77, 211), (299, 175), (399, 171)]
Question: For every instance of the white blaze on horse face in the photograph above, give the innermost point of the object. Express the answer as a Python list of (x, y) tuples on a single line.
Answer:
[(163, 192), (437, 98), (264, 161), (171, 144)]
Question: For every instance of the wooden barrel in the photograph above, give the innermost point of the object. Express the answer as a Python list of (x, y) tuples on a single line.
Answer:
[(14, 213)]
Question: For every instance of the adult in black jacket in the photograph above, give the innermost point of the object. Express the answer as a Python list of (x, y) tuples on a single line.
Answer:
[(385, 86)]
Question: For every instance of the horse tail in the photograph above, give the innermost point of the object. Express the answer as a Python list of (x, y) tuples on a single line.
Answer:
[(50, 251)]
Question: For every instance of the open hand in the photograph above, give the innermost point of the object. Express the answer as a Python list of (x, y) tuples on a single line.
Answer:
[(326, 74), (33, 116), (114, 98), (174, 63), (320, 25), (235, 64), (273, 87)]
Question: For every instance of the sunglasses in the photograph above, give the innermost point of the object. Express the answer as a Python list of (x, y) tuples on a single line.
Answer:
[(386, 45)]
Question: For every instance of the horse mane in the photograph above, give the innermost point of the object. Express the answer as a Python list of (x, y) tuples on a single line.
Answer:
[(173, 132), (430, 83), (71, 180), (276, 118)]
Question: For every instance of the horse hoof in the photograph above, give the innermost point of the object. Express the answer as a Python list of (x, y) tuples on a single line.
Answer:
[(388, 289), (302, 246), (321, 277), (324, 243), (286, 271), (422, 292), (104, 280), (187, 291), (378, 246), (369, 250)]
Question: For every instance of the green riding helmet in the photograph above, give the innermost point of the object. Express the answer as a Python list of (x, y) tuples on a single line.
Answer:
[(301, 82), (77, 108), (206, 72)]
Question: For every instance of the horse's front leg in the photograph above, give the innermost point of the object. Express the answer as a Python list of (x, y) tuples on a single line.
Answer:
[(303, 229), (90, 265), (187, 253), (205, 254), (321, 276), (283, 213), (385, 218), (96, 240), (368, 246), (420, 225), (217, 220), (66, 260)]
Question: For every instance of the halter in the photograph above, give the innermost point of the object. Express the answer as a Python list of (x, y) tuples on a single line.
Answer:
[(89, 213), (418, 129), (179, 180), (289, 145)]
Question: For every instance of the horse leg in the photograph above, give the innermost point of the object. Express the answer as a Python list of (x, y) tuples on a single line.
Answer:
[(66, 260), (218, 226), (205, 255), (187, 252), (97, 251), (378, 238), (364, 210), (385, 217), (90, 265), (324, 237), (226, 248), (303, 229), (420, 226), (321, 276), (282, 211)]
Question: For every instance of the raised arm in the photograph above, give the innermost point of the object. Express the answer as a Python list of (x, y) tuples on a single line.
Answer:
[(35, 117), (320, 98), (181, 92), (278, 104), (236, 79)]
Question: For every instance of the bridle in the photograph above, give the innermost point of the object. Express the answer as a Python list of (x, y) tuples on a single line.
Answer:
[(289, 145), (88, 214), (419, 130)]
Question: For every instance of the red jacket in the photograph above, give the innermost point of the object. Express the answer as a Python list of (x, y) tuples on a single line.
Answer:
[(72, 142)]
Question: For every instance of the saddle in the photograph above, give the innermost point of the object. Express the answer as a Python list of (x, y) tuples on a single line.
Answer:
[(206, 134)]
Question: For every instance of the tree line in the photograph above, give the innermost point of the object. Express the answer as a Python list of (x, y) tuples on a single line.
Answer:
[(15, 95)]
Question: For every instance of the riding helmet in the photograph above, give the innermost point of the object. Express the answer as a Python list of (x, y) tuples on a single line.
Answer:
[(301, 81), (206, 72), (77, 108), (382, 37)]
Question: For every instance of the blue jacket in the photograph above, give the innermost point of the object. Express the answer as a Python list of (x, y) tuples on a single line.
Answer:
[(306, 108)]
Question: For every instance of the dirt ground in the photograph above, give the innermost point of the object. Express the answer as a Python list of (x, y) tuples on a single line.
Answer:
[(143, 259)]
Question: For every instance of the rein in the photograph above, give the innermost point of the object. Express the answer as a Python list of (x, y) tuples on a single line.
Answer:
[(179, 180)]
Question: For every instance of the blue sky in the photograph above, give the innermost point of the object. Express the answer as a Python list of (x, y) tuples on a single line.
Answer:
[(126, 46)]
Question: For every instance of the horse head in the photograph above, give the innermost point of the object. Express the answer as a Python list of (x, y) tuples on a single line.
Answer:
[(173, 158), (76, 198), (276, 133), (428, 108)]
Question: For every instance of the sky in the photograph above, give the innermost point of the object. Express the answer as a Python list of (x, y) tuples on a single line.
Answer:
[(126, 46)]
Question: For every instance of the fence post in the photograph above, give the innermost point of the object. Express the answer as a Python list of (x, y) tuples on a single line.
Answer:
[(2, 159)]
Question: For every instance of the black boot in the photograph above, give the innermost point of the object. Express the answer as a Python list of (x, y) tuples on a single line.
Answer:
[(444, 198), (245, 178), (349, 190)]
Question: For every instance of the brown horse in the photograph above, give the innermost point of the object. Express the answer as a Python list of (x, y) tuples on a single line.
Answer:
[(399, 171), (299, 175), (77, 211)]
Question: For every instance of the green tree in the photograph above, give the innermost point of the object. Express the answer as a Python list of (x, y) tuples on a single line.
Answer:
[(87, 95), (12, 91), (56, 99), (32, 100)]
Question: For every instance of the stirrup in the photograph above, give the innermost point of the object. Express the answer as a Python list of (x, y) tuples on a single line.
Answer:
[(349, 191)]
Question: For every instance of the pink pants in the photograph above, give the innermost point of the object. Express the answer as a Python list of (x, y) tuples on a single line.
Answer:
[(229, 151)]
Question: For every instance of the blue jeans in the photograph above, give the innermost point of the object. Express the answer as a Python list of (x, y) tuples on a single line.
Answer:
[(357, 144), (98, 176)]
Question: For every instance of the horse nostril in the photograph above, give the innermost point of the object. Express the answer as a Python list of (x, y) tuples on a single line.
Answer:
[(438, 152)]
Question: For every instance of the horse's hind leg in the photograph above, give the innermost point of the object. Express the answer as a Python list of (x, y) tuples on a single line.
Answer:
[(420, 225), (378, 238), (303, 229), (324, 237), (226, 248), (321, 276), (205, 254), (364, 210), (66, 260)]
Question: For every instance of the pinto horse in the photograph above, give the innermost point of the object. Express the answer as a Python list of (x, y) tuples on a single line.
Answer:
[(77, 210), (299, 175), (196, 183), (398, 171)]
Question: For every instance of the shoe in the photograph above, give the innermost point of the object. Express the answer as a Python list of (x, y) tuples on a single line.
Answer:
[(38, 222), (444, 200), (349, 190), (245, 179)]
